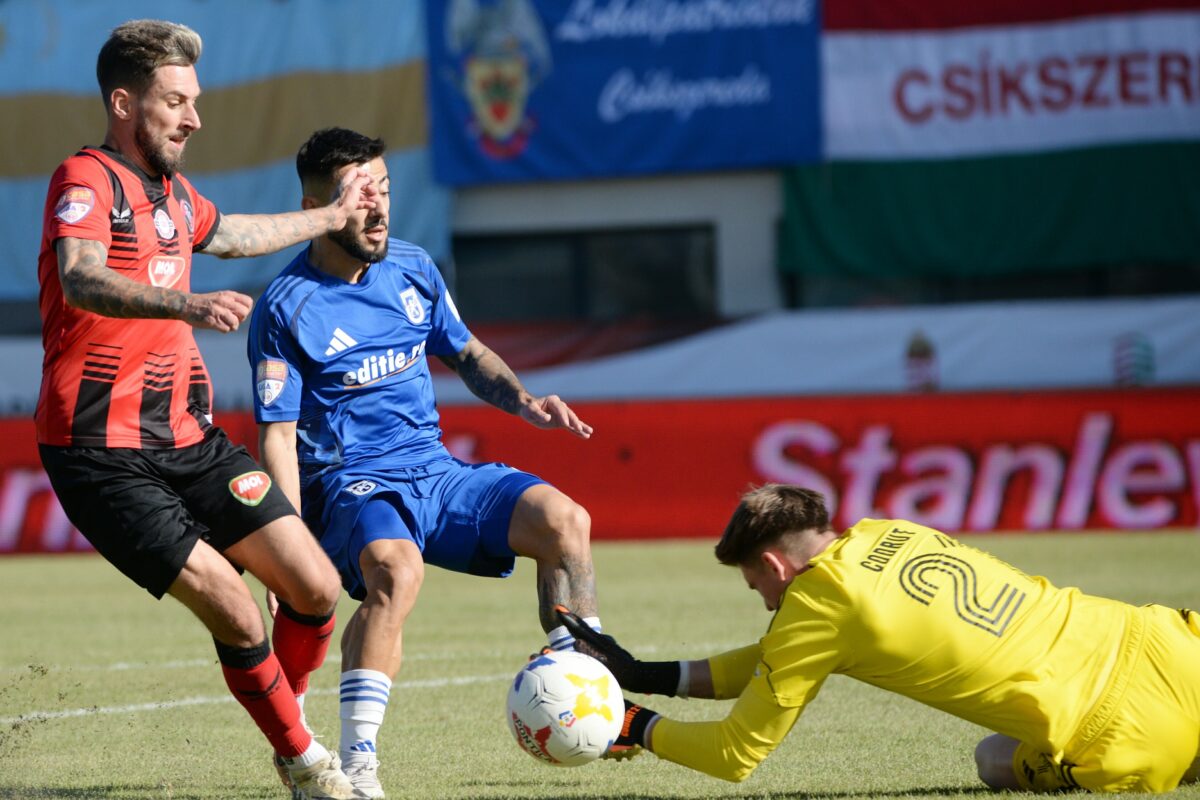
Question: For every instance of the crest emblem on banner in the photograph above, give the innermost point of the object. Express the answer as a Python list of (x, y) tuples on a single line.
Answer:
[(502, 54)]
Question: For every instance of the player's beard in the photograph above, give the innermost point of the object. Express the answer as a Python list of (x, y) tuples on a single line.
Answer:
[(155, 153), (359, 251)]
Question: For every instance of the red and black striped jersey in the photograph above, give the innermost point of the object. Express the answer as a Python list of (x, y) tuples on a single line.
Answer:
[(109, 382)]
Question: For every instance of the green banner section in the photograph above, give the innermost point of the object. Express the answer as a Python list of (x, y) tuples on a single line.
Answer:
[(1064, 210)]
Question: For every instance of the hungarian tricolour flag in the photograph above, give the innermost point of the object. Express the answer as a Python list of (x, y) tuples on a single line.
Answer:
[(981, 138)]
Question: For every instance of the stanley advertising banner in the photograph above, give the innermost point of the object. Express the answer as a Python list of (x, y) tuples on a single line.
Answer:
[(544, 89), (960, 462)]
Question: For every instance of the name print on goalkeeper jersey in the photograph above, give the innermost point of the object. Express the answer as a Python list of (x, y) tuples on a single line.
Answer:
[(348, 361)]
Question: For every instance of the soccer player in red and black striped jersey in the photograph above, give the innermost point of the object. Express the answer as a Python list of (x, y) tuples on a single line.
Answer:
[(123, 419)]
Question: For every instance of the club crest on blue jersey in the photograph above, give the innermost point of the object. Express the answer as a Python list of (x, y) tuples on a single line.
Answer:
[(361, 487), (413, 306)]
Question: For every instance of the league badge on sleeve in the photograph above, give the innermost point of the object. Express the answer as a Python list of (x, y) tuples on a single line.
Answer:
[(270, 376), (75, 204)]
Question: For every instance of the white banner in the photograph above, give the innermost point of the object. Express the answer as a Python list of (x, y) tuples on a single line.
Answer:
[(980, 91)]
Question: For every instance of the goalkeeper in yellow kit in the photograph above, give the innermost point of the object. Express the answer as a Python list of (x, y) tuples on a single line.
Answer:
[(1082, 691)]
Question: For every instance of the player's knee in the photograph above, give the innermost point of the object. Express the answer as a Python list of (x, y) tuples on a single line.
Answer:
[(391, 577), (318, 594), (571, 526), (241, 625), (994, 761)]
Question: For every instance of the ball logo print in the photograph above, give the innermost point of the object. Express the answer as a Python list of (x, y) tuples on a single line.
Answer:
[(565, 709)]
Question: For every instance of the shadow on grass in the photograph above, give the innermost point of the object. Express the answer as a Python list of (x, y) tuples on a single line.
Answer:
[(510, 789)]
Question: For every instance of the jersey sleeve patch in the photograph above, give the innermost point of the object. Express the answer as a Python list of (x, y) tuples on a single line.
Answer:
[(270, 377), (75, 203)]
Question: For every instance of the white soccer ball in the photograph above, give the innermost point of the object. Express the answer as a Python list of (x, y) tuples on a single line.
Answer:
[(565, 708)]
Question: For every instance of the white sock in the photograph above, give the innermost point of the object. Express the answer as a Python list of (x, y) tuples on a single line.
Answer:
[(561, 639), (364, 699), (315, 753)]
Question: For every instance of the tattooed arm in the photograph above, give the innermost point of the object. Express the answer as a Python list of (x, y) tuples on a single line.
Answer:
[(240, 235), (491, 380), (88, 284)]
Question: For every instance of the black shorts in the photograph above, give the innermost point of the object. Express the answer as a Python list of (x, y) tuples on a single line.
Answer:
[(144, 510)]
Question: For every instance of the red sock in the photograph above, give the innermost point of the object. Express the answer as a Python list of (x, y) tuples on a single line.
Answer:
[(300, 643), (257, 681)]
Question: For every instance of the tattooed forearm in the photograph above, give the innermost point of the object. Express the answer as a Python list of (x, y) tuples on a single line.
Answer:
[(87, 283), (488, 377), (240, 235)]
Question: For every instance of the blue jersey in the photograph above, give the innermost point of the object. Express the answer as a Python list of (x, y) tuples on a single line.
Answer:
[(347, 361)]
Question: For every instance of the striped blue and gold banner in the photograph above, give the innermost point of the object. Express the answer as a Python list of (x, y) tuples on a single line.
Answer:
[(271, 73)]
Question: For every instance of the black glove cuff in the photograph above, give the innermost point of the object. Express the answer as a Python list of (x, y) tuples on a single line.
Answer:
[(637, 719), (654, 677)]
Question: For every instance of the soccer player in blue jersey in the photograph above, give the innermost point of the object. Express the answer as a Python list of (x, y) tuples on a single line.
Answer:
[(349, 429)]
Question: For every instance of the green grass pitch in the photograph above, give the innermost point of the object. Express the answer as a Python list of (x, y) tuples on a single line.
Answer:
[(105, 693)]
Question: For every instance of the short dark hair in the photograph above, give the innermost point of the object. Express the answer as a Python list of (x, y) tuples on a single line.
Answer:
[(137, 48), (764, 515), (330, 149)]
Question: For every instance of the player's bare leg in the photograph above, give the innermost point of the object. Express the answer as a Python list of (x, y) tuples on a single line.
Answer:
[(290, 562), (211, 588), (372, 651), (994, 761), (555, 531)]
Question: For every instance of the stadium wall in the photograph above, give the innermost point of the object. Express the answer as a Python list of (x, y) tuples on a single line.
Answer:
[(969, 462)]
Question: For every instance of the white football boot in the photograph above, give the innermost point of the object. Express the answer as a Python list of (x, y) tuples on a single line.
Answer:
[(364, 774), (322, 781)]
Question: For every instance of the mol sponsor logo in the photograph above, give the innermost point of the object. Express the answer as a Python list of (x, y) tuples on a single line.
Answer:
[(165, 271), (251, 487)]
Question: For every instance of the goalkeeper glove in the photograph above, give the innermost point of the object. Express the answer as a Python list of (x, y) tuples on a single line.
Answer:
[(647, 677)]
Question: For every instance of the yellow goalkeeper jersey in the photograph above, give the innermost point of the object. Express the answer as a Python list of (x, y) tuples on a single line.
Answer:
[(914, 611)]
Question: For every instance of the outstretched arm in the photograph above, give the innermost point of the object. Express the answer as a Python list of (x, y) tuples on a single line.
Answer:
[(491, 380), (88, 284), (240, 235), (718, 677), (730, 748)]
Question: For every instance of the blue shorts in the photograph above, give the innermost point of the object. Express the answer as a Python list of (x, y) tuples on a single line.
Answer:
[(457, 514)]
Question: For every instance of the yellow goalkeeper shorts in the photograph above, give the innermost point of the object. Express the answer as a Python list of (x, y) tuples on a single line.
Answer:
[(1145, 733)]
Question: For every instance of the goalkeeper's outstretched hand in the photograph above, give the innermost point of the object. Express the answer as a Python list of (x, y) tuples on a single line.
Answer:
[(648, 677)]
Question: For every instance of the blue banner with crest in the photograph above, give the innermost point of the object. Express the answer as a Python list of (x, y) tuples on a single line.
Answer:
[(555, 89)]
